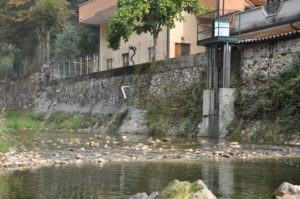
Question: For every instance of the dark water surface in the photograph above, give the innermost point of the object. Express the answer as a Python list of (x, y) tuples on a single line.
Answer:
[(227, 179)]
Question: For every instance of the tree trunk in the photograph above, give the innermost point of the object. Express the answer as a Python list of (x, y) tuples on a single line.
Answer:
[(48, 45), (155, 38)]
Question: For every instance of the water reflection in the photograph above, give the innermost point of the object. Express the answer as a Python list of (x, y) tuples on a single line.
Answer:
[(227, 179)]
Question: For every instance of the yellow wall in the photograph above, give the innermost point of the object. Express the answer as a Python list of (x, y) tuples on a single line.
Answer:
[(185, 32), (141, 42)]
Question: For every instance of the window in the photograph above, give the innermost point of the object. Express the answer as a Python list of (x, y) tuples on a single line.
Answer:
[(182, 49), (109, 63), (125, 59), (151, 54)]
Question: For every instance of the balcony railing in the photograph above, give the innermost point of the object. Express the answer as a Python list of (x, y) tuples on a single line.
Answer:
[(218, 23)]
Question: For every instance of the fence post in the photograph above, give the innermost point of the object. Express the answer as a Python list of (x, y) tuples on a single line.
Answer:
[(87, 64), (59, 69), (69, 75), (80, 65), (64, 69), (54, 65), (74, 70), (94, 63)]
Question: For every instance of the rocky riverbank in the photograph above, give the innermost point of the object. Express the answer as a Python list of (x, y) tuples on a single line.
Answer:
[(99, 149)]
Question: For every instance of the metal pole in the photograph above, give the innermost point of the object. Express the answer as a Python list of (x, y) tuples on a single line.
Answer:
[(218, 9)]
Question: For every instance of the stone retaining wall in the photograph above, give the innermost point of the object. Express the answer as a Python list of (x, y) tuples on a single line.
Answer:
[(264, 59)]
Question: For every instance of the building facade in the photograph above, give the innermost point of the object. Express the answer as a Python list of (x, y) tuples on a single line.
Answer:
[(179, 41)]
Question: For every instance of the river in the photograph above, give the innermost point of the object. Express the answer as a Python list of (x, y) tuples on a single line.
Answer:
[(226, 178)]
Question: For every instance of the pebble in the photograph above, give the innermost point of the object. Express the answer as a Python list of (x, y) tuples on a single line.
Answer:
[(79, 157), (150, 150)]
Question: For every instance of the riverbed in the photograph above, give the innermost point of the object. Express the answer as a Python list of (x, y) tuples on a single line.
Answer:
[(84, 165)]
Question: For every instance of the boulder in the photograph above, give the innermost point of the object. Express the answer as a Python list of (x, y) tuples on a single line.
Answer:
[(178, 190), (287, 191)]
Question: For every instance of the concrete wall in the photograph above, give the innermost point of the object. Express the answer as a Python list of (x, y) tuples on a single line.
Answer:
[(259, 18)]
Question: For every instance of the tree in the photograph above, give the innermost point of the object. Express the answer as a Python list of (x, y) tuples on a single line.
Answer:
[(141, 16), (18, 31), (49, 16), (65, 47)]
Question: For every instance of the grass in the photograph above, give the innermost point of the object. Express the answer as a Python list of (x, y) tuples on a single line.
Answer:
[(6, 140), (24, 119), (18, 119)]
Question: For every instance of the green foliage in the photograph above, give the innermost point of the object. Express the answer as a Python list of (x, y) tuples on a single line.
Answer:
[(65, 44), (50, 14), (6, 141), (141, 16), (115, 125), (276, 101), (73, 42), (24, 119), (57, 120), (29, 25), (88, 39), (179, 108)]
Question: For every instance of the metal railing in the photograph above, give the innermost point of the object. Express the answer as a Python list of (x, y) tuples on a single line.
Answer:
[(66, 69)]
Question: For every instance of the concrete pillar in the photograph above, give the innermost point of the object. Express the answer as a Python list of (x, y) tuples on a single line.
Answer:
[(208, 110), (226, 109)]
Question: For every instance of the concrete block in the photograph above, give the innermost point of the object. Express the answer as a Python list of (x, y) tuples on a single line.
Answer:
[(226, 109), (208, 99)]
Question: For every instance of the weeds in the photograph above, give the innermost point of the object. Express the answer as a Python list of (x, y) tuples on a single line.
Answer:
[(116, 124), (179, 109), (275, 102)]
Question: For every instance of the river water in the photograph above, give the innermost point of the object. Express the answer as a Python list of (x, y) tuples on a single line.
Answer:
[(227, 179)]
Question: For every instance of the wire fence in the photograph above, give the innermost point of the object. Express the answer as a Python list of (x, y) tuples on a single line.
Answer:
[(129, 54), (66, 69)]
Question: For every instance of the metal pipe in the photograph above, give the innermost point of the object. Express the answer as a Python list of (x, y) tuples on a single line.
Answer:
[(218, 9)]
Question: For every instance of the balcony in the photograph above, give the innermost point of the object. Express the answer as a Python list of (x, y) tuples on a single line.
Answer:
[(97, 11), (282, 17)]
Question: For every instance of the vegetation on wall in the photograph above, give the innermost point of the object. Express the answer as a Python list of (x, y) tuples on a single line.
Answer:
[(276, 102), (179, 111), (117, 122)]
